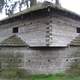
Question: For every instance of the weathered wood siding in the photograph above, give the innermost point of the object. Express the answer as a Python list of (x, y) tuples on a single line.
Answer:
[(33, 32), (38, 32), (43, 31), (63, 31), (39, 60)]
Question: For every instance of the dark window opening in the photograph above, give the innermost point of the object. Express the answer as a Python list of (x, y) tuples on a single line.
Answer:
[(29, 60), (78, 30), (11, 60), (47, 23), (75, 60), (49, 60), (15, 30), (66, 59), (19, 60)]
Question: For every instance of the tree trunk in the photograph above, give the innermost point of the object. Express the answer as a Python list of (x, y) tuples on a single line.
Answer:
[(33, 2), (57, 3)]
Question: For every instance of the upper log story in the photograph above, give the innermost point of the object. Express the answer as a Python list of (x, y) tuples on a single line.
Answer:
[(46, 26)]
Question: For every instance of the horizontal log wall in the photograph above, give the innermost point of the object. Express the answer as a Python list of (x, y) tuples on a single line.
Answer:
[(63, 31), (46, 31), (33, 32), (42, 60)]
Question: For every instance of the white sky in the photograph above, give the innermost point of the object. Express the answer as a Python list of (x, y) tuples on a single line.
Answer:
[(72, 5)]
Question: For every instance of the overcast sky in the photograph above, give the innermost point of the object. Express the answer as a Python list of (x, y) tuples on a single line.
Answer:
[(72, 5)]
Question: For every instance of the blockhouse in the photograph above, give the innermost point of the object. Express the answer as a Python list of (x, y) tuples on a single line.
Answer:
[(44, 36)]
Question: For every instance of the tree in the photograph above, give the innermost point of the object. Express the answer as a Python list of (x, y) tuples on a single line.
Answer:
[(10, 5), (33, 2), (57, 3), (2, 2), (9, 10), (23, 2)]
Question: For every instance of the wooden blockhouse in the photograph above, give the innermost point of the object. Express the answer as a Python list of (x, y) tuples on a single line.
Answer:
[(45, 36)]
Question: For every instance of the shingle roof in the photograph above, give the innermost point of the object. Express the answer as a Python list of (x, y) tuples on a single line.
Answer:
[(13, 41), (41, 7)]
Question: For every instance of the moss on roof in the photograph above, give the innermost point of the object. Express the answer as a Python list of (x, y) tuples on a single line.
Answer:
[(13, 41)]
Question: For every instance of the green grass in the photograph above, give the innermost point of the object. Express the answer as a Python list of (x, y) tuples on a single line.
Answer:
[(55, 77), (16, 74), (21, 74), (59, 76)]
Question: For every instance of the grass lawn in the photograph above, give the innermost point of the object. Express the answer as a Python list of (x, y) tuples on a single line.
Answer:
[(15, 74), (55, 77), (58, 76)]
